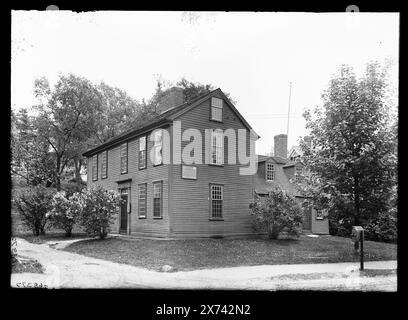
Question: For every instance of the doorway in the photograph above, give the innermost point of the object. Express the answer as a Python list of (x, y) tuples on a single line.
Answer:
[(124, 194)]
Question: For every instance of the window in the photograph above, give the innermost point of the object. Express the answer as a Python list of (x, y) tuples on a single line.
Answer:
[(157, 199), (158, 144), (216, 197), (216, 109), (142, 200), (142, 152), (95, 167), (124, 158), (217, 146), (104, 165), (270, 172), (298, 173), (320, 214)]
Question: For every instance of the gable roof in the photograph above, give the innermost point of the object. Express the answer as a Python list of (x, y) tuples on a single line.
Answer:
[(279, 160), (166, 117)]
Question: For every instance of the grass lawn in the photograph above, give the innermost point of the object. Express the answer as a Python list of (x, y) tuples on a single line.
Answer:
[(218, 253)]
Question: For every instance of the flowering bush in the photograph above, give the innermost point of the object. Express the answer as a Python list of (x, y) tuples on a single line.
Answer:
[(33, 205), (275, 213), (64, 212), (98, 208)]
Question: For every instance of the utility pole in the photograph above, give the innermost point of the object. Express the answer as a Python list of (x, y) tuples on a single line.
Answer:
[(287, 126)]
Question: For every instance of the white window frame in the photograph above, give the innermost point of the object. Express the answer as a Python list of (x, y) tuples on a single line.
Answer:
[(221, 192), (298, 175), (216, 109), (140, 199), (122, 147), (217, 148), (104, 171), (142, 153), (158, 147), (267, 171), (158, 190), (95, 167)]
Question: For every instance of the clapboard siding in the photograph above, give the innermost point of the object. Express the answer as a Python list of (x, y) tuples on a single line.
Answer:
[(190, 198), (147, 226)]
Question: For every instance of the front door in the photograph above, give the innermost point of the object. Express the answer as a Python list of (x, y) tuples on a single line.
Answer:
[(124, 210), (307, 218)]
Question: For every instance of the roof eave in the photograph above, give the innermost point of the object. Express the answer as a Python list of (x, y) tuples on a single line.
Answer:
[(130, 135)]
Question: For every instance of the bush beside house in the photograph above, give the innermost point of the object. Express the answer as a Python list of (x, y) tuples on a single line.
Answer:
[(93, 209), (99, 208), (276, 213)]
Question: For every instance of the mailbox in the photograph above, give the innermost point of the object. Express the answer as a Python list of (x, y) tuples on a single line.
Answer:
[(357, 236), (357, 233)]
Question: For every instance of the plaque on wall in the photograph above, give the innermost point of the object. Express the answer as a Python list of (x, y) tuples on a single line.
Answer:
[(189, 172)]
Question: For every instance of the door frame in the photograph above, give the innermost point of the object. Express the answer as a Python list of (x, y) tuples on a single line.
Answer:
[(125, 188)]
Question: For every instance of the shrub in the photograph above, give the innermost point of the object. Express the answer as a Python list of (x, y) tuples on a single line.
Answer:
[(64, 212), (33, 205), (98, 208), (276, 213), (384, 228)]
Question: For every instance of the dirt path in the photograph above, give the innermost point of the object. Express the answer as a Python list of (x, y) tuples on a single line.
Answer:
[(69, 270)]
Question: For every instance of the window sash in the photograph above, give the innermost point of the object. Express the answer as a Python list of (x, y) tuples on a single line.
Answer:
[(104, 164), (216, 198), (270, 172), (217, 148), (157, 199), (124, 158), (298, 173), (142, 152), (95, 167), (158, 146), (142, 203), (216, 109)]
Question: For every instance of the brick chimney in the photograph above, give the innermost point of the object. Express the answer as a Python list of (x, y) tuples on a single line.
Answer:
[(308, 141), (173, 98), (281, 145)]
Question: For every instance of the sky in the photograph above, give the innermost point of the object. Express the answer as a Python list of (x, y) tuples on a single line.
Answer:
[(252, 56)]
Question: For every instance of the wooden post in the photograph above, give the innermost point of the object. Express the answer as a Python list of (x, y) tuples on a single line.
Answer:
[(361, 250)]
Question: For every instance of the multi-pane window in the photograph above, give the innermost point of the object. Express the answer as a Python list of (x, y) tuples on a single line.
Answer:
[(142, 200), (104, 164), (298, 173), (157, 147), (142, 152), (216, 197), (217, 146), (124, 158), (270, 172), (157, 199), (216, 109), (95, 167)]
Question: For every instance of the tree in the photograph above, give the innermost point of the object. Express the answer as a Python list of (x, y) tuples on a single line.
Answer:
[(353, 157), (66, 117), (190, 90), (30, 154), (275, 213)]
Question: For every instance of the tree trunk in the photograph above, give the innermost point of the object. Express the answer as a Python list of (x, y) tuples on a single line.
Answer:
[(273, 232), (58, 174), (78, 179), (356, 201)]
